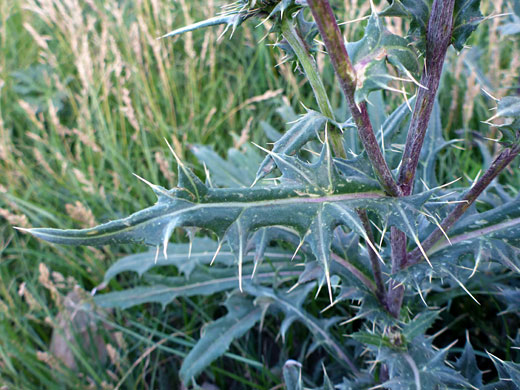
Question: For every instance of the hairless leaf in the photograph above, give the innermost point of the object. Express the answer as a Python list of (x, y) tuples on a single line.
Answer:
[(242, 315), (370, 54), (466, 18)]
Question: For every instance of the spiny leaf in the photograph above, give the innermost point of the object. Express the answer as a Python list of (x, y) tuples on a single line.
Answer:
[(238, 170), (238, 12), (292, 375), (291, 305), (508, 372), (311, 200), (202, 252), (371, 338), (307, 30), (242, 315), (420, 366), (370, 53), (467, 366), (491, 235), (466, 17), (508, 109), (205, 282), (302, 131), (419, 325)]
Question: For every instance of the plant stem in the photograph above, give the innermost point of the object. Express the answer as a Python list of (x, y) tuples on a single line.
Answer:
[(346, 75), (291, 35), (395, 295), (438, 39), (497, 166), (376, 267)]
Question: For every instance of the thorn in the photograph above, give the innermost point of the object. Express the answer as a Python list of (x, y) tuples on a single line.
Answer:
[(293, 287), (416, 239), (207, 173), (476, 178), (355, 20), (489, 94), (329, 285), (407, 72), (420, 294), (329, 306), (372, 246), (297, 249), (477, 262), (447, 184), (406, 100), (144, 180), (219, 247), (173, 153), (156, 254), (425, 185), (254, 182), (464, 288), (357, 317), (443, 231), (165, 247)]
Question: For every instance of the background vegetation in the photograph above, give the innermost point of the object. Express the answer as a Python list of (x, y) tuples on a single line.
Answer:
[(87, 96)]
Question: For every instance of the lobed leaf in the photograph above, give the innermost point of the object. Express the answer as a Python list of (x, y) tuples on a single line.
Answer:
[(370, 54), (467, 366), (302, 131), (291, 305), (216, 338), (508, 110), (419, 325), (312, 200), (466, 17), (235, 14)]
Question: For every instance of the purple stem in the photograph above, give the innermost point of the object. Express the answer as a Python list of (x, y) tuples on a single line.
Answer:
[(395, 295), (497, 166), (333, 39), (376, 266), (438, 39)]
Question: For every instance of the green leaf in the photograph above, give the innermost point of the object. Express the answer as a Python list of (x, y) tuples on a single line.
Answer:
[(493, 235), (370, 338), (420, 366), (466, 17), (291, 305), (467, 366), (302, 131), (419, 325), (508, 372), (216, 338), (508, 109), (238, 170), (238, 12), (185, 257), (370, 55), (203, 281), (311, 200), (327, 383), (292, 375)]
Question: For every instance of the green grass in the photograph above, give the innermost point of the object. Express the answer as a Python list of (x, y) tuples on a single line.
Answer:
[(87, 97)]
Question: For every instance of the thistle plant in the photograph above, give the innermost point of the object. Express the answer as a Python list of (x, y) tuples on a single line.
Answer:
[(368, 222)]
